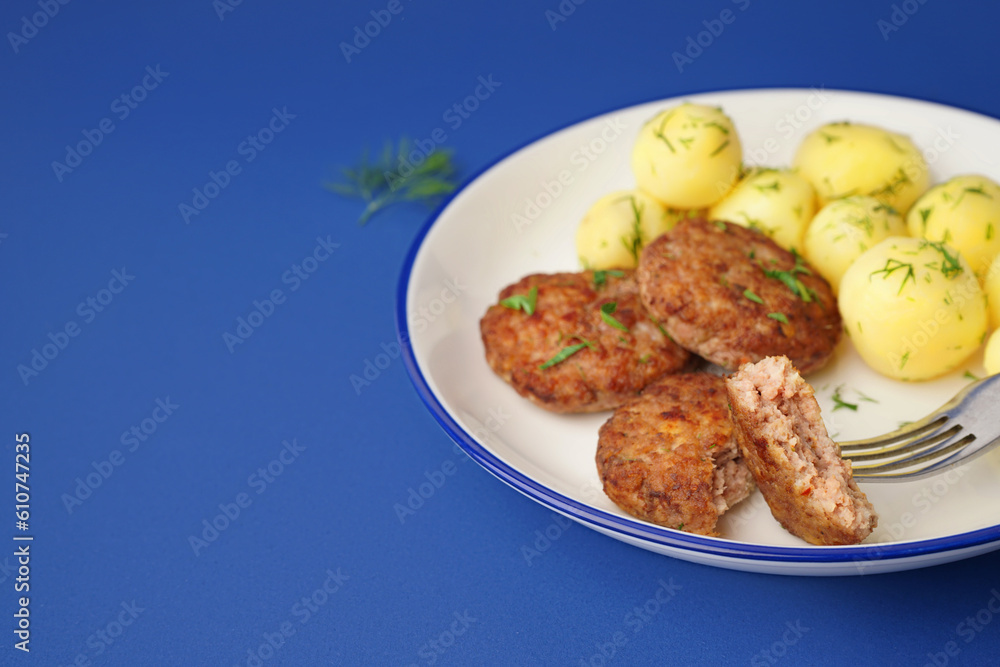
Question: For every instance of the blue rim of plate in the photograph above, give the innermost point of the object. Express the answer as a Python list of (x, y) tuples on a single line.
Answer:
[(633, 527)]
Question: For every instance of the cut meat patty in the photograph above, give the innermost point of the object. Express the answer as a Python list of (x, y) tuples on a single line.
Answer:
[(732, 295), (670, 456), (798, 468), (589, 345)]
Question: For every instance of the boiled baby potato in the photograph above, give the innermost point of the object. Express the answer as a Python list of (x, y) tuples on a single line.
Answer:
[(964, 213), (913, 308), (991, 359), (845, 228), (845, 159), (778, 202), (616, 228), (688, 156), (991, 284)]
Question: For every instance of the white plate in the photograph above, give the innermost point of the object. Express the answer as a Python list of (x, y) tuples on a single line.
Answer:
[(519, 217)]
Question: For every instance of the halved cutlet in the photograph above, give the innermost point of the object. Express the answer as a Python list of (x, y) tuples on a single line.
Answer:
[(670, 457), (798, 468)]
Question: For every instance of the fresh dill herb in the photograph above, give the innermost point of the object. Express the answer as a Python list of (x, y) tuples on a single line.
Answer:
[(660, 135), (864, 222), (900, 178), (662, 330), (862, 397), (882, 206), (525, 303), (754, 223), (830, 138), (748, 293), (989, 231), (971, 375), (763, 189), (791, 279), (380, 183), (779, 317), (891, 266), (720, 224), (644, 359), (977, 190), (634, 244), (718, 150), (720, 128), (606, 311), (601, 277), (904, 359), (950, 265), (566, 353), (839, 402)]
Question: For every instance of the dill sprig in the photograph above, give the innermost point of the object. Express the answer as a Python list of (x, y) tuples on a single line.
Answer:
[(949, 266), (601, 277), (839, 402), (718, 150), (899, 179), (634, 244), (566, 353), (891, 266), (791, 279), (382, 182), (521, 302), (606, 314)]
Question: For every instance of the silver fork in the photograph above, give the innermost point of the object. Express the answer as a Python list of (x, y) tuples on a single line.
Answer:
[(965, 427)]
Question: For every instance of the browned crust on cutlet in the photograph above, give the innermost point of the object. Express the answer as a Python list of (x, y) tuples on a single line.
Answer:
[(568, 311), (697, 278), (670, 456), (798, 468)]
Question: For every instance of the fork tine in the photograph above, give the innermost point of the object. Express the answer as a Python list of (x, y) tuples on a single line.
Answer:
[(913, 430), (965, 427), (907, 449), (935, 458), (965, 455)]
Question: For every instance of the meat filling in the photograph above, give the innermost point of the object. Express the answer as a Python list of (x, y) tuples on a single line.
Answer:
[(798, 467)]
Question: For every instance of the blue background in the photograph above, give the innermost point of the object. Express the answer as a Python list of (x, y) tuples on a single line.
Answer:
[(332, 507)]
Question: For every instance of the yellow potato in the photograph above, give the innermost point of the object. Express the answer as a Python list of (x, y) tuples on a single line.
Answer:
[(913, 308), (844, 159), (991, 359), (991, 283), (616, 228), (687, 157), (965, 214), (778, 202), (845, 228)]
